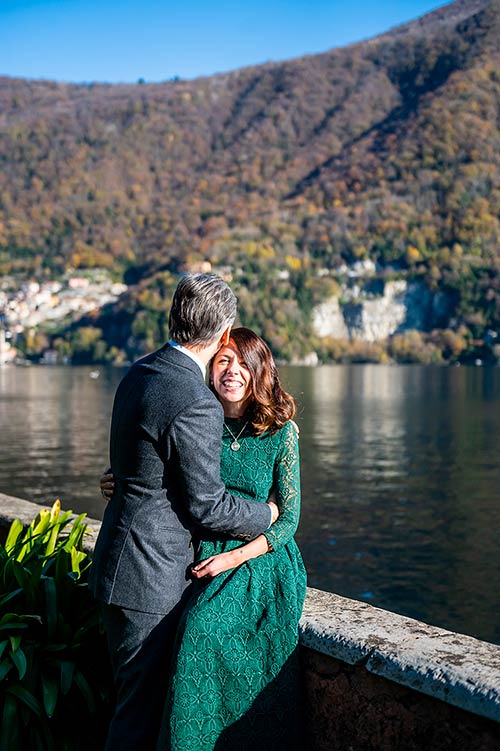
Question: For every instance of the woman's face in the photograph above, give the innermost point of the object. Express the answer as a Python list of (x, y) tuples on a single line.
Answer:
[(231, 378)]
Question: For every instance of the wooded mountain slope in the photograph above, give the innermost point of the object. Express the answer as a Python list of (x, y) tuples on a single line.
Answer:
[(388, 149)]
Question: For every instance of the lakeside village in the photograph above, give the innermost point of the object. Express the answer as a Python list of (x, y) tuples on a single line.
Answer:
[(53, 303), (30, 309)]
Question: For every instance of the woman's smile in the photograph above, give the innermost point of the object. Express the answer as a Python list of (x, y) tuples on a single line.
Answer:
[(231, 377)]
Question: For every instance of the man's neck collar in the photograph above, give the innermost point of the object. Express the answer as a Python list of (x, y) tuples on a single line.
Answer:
[(189, 352)]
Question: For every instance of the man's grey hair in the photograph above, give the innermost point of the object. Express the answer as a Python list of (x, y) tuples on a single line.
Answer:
[(203, 306)]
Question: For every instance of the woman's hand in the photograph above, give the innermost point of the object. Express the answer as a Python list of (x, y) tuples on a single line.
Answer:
[(216, 564), (107, 484)]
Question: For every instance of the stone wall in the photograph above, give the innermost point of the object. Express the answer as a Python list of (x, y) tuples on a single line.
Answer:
[(377, 681), (350, 709)]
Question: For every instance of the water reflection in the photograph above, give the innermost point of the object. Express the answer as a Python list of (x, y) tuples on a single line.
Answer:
[(54, 429), (400, 481), (400, 476)]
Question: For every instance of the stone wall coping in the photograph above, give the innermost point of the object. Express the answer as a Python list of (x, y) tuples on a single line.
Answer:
[(454, 668)]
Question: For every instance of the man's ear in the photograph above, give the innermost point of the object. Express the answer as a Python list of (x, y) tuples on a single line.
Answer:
[(226, 335)]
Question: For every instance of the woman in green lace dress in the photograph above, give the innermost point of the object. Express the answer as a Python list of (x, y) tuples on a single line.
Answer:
[(235, 678)]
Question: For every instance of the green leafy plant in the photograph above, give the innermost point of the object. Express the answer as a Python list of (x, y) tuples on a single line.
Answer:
[(54, 673)]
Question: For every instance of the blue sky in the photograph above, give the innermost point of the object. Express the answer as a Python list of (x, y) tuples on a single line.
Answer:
[(124, 40)]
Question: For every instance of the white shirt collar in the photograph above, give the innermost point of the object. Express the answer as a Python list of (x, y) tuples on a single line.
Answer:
[(190, 354)]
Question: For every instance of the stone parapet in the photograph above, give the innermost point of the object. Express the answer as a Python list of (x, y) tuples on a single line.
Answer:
[(451, 667), (378, 681)]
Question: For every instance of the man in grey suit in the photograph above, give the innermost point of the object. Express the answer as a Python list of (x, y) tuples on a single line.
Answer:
[(165, 444)]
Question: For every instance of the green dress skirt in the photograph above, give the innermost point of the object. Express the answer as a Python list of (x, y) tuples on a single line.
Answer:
[(235, 682)]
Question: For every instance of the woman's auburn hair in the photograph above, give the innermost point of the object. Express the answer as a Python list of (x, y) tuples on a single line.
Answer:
[(271, 407)]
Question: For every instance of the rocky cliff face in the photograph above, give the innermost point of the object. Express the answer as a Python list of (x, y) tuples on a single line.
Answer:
[(377, 310)]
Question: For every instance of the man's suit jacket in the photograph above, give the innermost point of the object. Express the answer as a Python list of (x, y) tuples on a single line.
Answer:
[(165, 445)]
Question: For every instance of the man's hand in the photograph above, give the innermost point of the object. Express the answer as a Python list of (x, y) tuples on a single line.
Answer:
[(274, 509)]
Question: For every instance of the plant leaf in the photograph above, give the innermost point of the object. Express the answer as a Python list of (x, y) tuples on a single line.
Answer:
[(17, 623), (55, 647), (8, 737), (9, 596), (15, 642), (52, 539), (27, 545), (19, 660), (77, 532), (55, 510), (65, 518), (40, 525), (27, 697), (12, 625), (51, 605), (50, 691), (84, 687), (41, 522), (15, 530), (76, 558), (67, 671), (3, 644), (39, 742), (22, 576), (48, 743), (5, 668)]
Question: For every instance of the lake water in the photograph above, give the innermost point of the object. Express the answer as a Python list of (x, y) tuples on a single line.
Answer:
[(400, 470)]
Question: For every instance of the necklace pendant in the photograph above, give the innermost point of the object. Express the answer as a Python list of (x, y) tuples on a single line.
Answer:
[(235, 445)]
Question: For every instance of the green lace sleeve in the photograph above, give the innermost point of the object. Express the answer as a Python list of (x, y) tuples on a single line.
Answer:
[(287, 485)]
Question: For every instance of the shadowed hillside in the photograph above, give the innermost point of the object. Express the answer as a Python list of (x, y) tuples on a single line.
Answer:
[(386, 150)]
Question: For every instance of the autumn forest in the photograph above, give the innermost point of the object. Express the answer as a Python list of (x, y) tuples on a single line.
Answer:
[(277, 175)]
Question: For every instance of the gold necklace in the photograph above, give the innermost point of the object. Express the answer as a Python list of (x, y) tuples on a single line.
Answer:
[(234, 445)]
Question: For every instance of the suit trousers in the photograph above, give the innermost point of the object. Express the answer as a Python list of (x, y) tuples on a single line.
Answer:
[(141, 647)]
